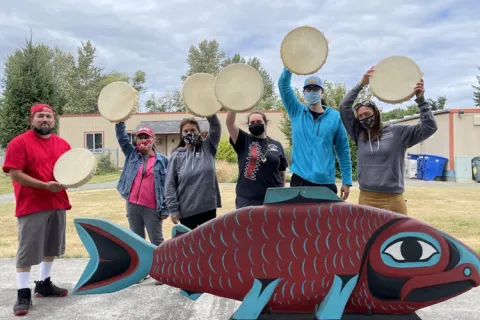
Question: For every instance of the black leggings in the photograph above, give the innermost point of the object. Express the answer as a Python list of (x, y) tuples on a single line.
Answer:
[(194, 221)]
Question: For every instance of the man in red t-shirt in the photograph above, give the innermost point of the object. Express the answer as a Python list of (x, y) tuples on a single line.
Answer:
[(41, 204)]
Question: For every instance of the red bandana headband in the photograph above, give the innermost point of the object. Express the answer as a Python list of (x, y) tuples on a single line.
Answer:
[(41, 107)]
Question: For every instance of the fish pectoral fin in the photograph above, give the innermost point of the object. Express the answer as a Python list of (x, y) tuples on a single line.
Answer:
[(179, 229), (333, 305), (256, 299), (191, 295)]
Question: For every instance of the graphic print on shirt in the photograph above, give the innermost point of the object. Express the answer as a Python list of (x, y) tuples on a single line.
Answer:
[(252, 162)]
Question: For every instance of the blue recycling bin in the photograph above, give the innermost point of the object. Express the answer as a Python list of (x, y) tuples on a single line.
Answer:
[(412, 156), (420, 166), (433, 167)]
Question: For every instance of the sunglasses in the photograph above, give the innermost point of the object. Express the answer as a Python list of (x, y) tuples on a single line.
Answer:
[(364, 103)]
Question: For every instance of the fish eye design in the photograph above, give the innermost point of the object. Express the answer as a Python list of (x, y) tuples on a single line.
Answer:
[(410, 250)]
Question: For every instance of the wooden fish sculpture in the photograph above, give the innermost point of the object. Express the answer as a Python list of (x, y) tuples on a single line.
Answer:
[(304, 251)]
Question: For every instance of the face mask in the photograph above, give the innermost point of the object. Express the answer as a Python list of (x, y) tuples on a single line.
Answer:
[(312, 97), (42, 131), (144, 145), (256, 129), (368, 123), (190, 138)]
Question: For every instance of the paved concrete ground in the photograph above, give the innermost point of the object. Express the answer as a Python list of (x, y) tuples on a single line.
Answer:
[(147, 301)]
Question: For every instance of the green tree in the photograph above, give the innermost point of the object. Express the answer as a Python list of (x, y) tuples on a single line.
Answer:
[(438, 104), (208, 58), (29, 78), (85, 81), (476, 92), (169, 101)]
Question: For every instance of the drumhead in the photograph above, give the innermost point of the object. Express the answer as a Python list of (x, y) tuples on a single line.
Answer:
[(118, 101), (198, 95), (304, 50), (75, 167), (394, 79), (239, 87)]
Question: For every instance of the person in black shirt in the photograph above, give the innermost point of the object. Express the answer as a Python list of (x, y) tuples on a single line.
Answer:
[(261, 160)]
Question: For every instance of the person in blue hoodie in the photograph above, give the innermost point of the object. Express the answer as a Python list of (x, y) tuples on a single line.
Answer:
[(318, 136)]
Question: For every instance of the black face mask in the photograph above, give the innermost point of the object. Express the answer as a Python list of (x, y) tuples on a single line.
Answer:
[(42, 131), (191, 138), (256, 129), (368, 123)]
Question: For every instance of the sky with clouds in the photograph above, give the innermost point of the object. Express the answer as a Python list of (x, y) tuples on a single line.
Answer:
[(442, 36)]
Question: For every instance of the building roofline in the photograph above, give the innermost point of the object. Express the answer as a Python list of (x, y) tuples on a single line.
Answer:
[(94, 115), (444, 111)]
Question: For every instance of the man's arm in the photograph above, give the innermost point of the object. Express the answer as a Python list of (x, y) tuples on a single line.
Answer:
[(290, 101), (123, 139), (25, 180), (342, 147)]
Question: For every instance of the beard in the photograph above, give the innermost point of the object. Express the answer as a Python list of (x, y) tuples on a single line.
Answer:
[(43, 130)]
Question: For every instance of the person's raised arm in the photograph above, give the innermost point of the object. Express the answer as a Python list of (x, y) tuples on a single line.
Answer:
[(290, 101), (351, 123), (214, 133), (123, 139), (233, 129), (412, 134)]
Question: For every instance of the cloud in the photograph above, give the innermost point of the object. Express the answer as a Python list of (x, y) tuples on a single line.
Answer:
[(442, 36)]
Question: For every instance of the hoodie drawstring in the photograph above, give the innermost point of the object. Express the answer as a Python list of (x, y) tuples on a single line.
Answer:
[(370, 141)]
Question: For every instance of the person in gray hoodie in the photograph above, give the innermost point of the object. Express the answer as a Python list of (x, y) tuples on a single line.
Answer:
[(192, 192), (381, 147)]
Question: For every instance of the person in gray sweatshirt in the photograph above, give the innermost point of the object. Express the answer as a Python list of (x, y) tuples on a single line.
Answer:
[(381, 147), (192, 192)]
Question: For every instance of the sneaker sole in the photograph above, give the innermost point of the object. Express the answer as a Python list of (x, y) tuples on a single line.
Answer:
[(20, 312), (63, 294)]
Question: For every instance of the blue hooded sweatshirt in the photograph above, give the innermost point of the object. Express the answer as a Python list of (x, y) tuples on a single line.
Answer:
[(315, 142)]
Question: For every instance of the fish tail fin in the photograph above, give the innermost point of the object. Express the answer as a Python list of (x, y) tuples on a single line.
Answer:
[(119, 258), (179, 229)]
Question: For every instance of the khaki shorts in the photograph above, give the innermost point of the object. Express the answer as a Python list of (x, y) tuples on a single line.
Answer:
[(388, 201), (40, 235)]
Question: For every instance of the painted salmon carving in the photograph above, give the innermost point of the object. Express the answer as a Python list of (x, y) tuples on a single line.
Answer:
[(304, 251)]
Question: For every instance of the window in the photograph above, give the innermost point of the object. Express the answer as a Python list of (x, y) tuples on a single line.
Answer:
[(94, 141)]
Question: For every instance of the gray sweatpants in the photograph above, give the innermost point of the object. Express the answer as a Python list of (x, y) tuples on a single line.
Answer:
[(141, 218)]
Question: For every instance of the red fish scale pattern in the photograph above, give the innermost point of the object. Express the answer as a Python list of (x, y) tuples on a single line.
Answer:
[(304, 246)]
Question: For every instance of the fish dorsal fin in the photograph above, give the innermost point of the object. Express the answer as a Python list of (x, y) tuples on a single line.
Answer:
[(300, 195), (179, 229)]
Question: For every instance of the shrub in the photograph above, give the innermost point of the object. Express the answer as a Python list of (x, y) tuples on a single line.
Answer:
[(226, 153), (105, 164), (226, 172)]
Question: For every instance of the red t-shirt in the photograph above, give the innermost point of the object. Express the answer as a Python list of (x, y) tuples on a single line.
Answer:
[(36, 157)]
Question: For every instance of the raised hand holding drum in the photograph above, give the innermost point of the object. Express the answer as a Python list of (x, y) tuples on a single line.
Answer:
[(198, 95), (304, 50), (394, 79), (239, 87), (75, 168), (118, 101)]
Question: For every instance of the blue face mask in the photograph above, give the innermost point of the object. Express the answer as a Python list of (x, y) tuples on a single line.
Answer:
[(312, 97)]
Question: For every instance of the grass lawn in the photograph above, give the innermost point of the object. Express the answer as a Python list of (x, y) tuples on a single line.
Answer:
[(453, 210), (6, 183)]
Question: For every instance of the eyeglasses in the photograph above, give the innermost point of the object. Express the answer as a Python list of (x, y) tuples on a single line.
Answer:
[(365, 103), (312, 88)]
